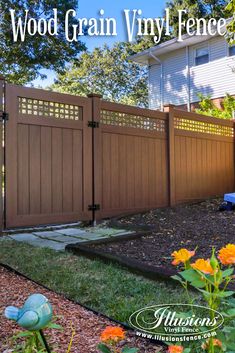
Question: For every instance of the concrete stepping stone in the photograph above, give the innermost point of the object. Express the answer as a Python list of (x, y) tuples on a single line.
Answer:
[(93, 236), (71, 231), (25, 237), (46, 234), (45, 243), (38, 242), (84, 235), (123, 232), (59, 238), (62, 238)]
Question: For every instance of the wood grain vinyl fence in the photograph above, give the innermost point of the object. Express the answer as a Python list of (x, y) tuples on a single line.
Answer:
[(146, 159), (48, 157), (71, 158)]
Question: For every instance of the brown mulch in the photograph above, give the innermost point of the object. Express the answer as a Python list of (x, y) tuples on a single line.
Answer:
[(199, 226), (15, 289)]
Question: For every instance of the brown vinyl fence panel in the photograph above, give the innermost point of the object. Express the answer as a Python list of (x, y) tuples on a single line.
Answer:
[(203, 156), (48, 157), (132, 160), (70, 158)]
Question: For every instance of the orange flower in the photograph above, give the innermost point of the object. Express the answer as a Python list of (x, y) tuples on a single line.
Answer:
[(175, 349), (183, 255), (112, 334), (215, 341), (203, 266), (227, 254)]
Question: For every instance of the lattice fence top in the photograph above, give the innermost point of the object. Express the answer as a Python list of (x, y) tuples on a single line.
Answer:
[(42, 108), (133, 121), (203, 127)]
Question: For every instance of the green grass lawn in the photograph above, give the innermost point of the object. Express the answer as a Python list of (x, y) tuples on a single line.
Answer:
[(107, 288)]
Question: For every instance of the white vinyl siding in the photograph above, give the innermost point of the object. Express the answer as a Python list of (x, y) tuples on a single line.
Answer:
[(215, 78), (155, 87), (175, 78)]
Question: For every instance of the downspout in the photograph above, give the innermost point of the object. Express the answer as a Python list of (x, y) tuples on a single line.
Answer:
[(161, 79), (188, 80)]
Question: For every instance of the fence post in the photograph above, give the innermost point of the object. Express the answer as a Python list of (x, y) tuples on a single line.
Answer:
[(96, 156), (234, 152), (171, 151), (2, 146)]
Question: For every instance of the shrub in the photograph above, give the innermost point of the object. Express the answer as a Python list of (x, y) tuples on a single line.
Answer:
[(207, 107)]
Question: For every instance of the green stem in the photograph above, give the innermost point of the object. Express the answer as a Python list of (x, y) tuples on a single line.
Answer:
[(37, 341)]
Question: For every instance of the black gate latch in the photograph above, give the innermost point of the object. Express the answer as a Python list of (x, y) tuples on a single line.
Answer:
[(95, 207), (93, 124), (4, 116)]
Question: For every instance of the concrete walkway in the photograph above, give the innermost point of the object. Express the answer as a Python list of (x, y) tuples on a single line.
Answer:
[(59, 238)]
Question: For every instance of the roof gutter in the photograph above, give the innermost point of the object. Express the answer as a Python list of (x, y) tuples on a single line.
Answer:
[(188, 74), (161, 79)]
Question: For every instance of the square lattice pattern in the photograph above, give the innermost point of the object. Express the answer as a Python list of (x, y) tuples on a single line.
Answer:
[(203, 127), (134, 121), (28, 106)]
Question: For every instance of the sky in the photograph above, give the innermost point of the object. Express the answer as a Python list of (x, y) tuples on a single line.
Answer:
[(112, 8)]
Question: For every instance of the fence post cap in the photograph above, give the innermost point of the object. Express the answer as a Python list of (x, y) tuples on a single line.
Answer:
[(94, 95), (168, 107)]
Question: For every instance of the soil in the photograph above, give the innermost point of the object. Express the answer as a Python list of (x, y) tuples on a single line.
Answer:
[(197, 226), (88, 326)]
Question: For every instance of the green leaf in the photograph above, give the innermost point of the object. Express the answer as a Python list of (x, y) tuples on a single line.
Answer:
[(190, 275), (130, 350), (225, 294), (231, 346), (103, 348), (198, 284), (231, 312), (23, 334), (177, 278), (228, 329), (184, 315), (206, 294), (230, 302), (221, 336), (187, 350), (227, 272), (55, 326)]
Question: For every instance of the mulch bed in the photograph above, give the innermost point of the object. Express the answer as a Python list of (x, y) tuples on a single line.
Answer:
[(14, 289), (193, 226)]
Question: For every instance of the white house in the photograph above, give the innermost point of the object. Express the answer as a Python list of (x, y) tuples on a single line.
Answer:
[(178, 71)]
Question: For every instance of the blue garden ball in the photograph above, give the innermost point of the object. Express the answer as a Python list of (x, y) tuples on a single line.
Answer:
[(35, 314)]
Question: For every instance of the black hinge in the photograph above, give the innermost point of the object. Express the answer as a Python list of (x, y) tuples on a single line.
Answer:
[(95, 207), (93, 124), (4, 116)]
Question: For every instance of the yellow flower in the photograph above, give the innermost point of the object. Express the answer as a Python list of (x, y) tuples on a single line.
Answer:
[(203, 266), (175, 349), (182, 256), (227, 255), (112, 334)]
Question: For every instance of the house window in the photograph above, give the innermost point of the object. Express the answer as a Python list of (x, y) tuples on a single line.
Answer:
[(202, 56), (231, 50)]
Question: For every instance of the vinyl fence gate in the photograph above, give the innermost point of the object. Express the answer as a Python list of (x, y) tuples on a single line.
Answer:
[(68, 158)]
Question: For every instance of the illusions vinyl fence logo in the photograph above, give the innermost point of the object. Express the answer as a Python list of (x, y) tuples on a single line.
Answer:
[(177, 321)]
